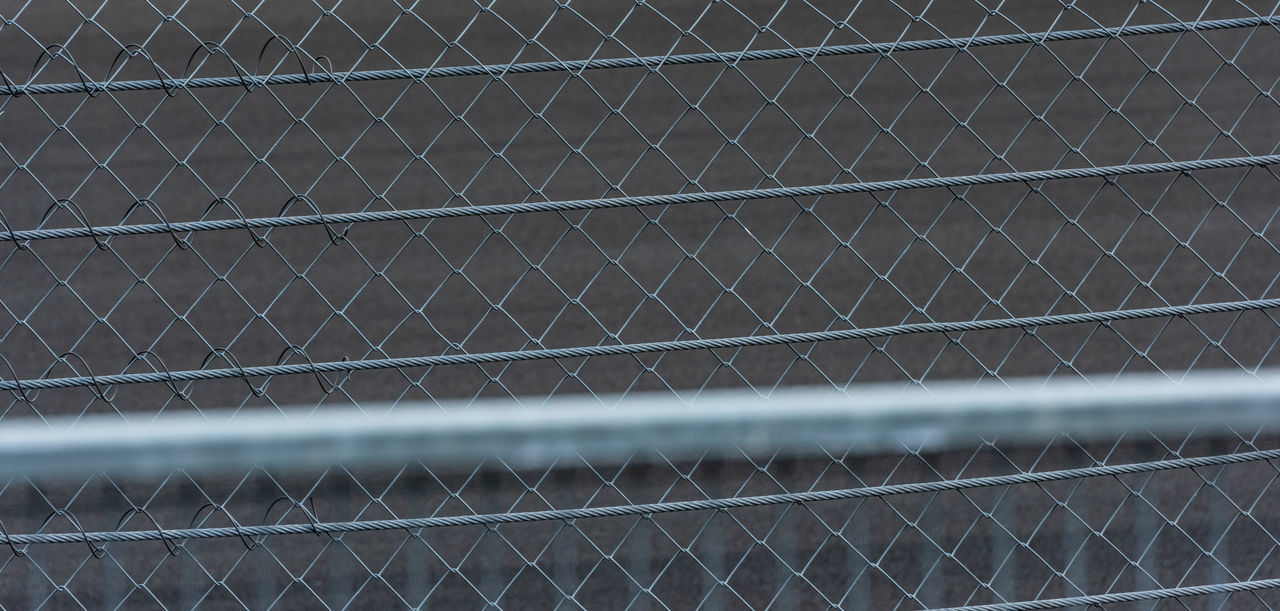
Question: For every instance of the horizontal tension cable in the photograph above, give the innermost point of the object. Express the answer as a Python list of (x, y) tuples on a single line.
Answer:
[(640, 348), (651, 61), (8, 234)]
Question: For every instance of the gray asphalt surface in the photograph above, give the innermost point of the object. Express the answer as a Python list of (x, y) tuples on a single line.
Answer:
[(632, 275)]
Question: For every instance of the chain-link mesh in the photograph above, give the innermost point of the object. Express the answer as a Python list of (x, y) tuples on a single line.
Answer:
[(252, 206)]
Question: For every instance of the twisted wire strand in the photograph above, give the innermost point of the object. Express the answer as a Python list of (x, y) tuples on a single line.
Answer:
[(651, 61), (1124, 597), (639, 348), (312, 528), (8, 234)]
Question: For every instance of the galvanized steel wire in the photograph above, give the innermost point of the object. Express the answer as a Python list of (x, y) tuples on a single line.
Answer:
[(617, 349), (647, 509), (8, 234), (653, 61), (1128, 597)]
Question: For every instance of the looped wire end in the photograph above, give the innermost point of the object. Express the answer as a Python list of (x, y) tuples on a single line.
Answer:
[(326, 66)]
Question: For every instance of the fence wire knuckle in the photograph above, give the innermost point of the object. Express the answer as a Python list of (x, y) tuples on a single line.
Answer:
[(532, 204)]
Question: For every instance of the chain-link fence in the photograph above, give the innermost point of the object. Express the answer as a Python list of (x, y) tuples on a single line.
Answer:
[(319, 204)]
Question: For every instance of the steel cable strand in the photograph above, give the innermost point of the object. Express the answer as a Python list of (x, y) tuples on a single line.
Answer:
[(311, 528), (21, 236), (1124, 597), (620, 349), (651, 61)]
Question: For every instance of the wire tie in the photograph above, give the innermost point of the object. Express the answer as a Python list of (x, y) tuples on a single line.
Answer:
[(213, 48), (334, 237), (257, 239), (13, 88), (13, 237), (79, 215), (12, 548), (248, 542), (169, 380), (168, 543), (230, 358), (96, 551), (56, 51), (134, 50), (155, 210), (19, 392), (289, 49), (320, 379), (93, 380)]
